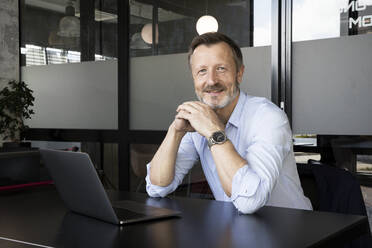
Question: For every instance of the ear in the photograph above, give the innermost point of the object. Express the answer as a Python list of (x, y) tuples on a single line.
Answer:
[(240, 73)]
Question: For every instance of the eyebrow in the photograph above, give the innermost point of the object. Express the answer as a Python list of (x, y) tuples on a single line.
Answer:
[(198, 67)]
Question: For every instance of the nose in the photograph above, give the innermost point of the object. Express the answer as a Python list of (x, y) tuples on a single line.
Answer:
[(212, 77)]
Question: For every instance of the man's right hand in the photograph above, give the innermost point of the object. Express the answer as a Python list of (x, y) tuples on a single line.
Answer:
[(182, 125)]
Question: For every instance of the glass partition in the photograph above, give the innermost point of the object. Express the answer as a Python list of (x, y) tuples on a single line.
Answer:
[(262, 23), (331, 80), (69, 51), (175, 24), (60, 31), (56, 36), (317, 19)]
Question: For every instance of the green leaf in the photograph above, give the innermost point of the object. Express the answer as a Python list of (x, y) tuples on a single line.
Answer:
[(15, 102)]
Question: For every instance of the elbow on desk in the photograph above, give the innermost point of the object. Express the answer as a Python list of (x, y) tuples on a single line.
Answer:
[(249, 205), (156, 190), (248, 209)]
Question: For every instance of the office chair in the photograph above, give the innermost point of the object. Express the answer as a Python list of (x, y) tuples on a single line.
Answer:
[(336, 190), (140, 155)]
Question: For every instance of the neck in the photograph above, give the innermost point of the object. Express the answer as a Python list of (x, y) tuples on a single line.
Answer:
[(225, 113)]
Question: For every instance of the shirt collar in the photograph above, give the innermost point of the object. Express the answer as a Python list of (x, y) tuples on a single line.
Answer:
[(236, 114)]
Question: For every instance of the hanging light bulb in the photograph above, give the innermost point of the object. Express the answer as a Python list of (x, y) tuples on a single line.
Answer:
[(205, 24), (146, 33), (69, 25)]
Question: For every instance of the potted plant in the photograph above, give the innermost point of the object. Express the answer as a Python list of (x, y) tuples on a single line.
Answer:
[(16, 100)]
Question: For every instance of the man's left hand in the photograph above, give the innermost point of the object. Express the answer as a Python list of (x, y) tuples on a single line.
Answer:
[(201, 117)]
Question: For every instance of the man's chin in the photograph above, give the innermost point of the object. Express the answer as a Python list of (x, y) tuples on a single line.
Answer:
[(215, 105)]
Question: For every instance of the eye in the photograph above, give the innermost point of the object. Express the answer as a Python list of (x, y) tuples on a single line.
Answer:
[(202, 71), (221, 69)]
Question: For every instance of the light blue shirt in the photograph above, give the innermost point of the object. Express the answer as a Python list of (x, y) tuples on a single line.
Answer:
[(261, 134)]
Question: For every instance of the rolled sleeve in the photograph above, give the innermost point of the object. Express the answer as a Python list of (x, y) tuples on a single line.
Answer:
[(186, 158), (244, 189), (158, 191)]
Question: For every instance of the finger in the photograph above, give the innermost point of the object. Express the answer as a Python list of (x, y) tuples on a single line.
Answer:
[(190, 103), (195, 104), (180, 107), (202, 105), (188, 108), (183, 115), (198, 106), (182, 125)]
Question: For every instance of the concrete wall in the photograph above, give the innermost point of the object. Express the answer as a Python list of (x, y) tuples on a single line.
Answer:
[(9, 41)]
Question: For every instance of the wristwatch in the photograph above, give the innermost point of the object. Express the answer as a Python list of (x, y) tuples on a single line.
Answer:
[(218, 137)]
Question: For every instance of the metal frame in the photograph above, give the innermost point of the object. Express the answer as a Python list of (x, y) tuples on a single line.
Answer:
[(287, 64), (281, 55), (123, 93), (20, 35), (276, 51), (251, 21), (155, 21), (354, 15)]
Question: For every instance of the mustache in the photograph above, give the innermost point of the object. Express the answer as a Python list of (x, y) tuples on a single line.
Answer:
[(216, 87)]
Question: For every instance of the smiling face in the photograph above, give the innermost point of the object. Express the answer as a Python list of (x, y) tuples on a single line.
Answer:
[(216, 78)]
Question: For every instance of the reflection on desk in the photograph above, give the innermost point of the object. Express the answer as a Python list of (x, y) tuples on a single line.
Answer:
[(81, 231), (40, 217)]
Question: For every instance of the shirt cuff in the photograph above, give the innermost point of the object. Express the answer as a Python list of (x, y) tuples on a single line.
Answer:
[(245, 183), (155, 190)]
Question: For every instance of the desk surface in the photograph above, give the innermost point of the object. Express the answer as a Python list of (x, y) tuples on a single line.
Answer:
[(39, 217)]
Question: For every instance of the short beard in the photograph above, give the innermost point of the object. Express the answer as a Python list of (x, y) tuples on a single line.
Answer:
[(226, 101)]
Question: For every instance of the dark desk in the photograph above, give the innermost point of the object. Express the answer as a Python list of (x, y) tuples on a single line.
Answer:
[(40, 217)]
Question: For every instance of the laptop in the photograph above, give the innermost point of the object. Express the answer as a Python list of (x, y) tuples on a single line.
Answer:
[(82, 192)]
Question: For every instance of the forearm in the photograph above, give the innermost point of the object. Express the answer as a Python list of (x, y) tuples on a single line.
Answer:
[(163, 163), (228, 162)]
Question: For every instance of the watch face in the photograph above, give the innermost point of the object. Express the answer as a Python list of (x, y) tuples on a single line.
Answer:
[(219, 137)]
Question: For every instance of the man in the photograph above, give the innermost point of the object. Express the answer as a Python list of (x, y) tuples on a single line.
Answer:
[(244, 143)]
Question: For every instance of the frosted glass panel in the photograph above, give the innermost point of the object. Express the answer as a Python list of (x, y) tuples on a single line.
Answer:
[(74, 96), (257, 74), (332, 86), (160, 83)]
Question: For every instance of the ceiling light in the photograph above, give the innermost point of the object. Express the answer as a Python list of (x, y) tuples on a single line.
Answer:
[(69, 25), (206, 24), (146, 33)]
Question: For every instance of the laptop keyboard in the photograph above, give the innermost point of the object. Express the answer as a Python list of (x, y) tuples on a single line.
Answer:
[(128, 214), (131, 211), (135, 207)]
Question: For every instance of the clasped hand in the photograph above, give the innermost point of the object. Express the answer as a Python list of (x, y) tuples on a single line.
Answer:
[(199, 117)]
